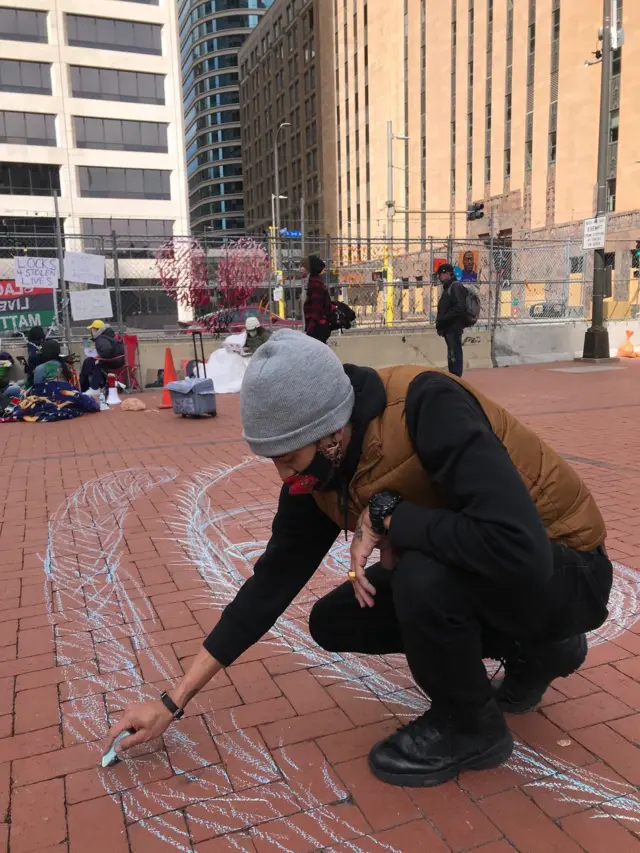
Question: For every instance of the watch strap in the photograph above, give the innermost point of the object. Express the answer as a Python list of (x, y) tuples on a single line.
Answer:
[(381, 506), (171, 706)]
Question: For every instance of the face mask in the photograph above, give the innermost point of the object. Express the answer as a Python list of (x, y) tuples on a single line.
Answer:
[(252, 333), (316, 476)]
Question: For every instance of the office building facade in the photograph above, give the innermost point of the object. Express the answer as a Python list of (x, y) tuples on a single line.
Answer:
[(492, 102), (286, 70), (211, 34), (91, 107)]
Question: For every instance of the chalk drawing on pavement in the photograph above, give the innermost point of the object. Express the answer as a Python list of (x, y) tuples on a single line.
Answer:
[(101, 612)]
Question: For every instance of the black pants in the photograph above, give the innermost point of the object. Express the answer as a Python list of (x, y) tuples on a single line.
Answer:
[(447, 620), (455, 358), (92, 372)]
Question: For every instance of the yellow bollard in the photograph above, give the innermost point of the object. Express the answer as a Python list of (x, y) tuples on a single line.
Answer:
[(388, 300), (280, 301)]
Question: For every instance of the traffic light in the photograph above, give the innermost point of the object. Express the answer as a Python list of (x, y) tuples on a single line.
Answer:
[(475, 211)]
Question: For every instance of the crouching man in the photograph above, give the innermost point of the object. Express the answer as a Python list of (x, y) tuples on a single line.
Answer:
[(490, 544)]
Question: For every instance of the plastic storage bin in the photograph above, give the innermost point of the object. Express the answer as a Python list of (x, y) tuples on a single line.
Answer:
[(195, 397)]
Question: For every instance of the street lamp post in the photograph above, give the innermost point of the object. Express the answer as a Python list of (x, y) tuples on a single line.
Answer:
[(277, 173), (274, 244), (391, 210), (596, 339), (274, 199)]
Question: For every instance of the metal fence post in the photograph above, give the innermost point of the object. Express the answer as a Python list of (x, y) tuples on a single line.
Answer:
[(430, 280), (116, 280), (63, 284)]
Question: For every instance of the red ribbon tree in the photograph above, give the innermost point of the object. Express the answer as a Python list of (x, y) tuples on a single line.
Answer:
[(213, 288)]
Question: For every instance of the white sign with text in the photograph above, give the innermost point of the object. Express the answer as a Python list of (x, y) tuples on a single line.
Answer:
[(83, 268), (595, 233), (35, 272), (91, 304)]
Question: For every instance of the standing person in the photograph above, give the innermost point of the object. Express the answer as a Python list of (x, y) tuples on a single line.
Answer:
[(451, 316), (317, 306), (110, 357), (491, 546)]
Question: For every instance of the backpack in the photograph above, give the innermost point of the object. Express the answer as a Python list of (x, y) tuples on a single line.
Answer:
[(472, 305), (342, 316)]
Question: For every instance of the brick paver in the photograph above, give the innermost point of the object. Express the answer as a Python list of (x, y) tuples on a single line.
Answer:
[(123, 537)]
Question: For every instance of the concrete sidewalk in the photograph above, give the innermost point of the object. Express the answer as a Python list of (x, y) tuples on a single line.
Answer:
[(123, 535)]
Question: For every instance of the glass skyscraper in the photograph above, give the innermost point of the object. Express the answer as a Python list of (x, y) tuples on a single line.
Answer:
[(211, 33)]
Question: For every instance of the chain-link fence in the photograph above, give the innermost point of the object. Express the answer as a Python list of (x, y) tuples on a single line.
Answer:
[(391, 286)]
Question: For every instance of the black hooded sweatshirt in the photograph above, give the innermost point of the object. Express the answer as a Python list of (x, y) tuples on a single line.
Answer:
[(452, 308), (490, 524), (107, 345)]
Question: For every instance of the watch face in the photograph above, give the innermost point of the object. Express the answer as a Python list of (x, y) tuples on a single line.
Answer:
[(381, 506)]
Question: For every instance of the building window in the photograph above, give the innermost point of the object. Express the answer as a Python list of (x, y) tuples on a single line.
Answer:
[(616, 63), (611, 195), (100, 182), (23, 25), (27, 128), (528, 155), (142, 228), (107, 84), (120, 135), (29, 179), (553, 146), (614, 125), (577, 263), (507, 163), (31, 78), (228, 152), (110, 34)]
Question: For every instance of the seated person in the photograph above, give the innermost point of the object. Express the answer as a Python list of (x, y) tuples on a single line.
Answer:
[(8, 392), (35, 339), (110, 358), (48, 365), (256, 335)]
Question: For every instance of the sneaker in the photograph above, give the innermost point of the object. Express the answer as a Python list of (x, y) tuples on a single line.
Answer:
[(434, 749), (93, 392), (528, 674)]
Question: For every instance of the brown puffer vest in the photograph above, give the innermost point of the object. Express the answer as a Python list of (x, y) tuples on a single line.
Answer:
[(388, 461)]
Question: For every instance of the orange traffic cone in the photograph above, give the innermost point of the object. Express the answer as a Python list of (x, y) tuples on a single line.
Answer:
[(169, 376)]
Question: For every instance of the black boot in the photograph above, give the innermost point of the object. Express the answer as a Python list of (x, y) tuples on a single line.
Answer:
[(435, 748), (529, 673)]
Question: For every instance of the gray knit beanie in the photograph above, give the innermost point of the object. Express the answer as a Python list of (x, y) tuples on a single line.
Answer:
[(295, 392)]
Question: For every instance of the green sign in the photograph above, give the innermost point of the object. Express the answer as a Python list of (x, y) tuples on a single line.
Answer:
[(24, 307)]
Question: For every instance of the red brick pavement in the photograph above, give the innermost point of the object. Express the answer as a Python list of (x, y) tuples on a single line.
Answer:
[(123, 535)]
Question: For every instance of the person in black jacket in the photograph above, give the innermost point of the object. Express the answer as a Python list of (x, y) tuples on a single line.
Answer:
[(450, 319), (467, 569), (110, 350)]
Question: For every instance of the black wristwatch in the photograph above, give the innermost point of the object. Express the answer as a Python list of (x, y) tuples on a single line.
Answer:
[(170, 705), (381, 506)]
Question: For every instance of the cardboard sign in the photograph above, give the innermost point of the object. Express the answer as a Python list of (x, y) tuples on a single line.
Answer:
[(21, 308), (36, 272), (83, 268), (91, 304)]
